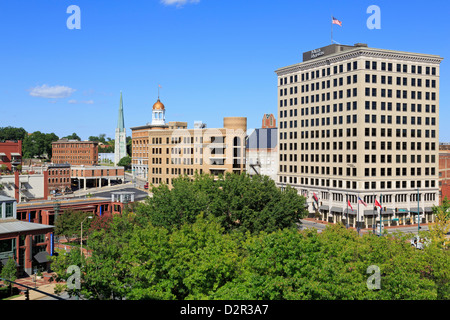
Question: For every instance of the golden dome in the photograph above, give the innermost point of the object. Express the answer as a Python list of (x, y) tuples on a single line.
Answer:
[(158, 105)]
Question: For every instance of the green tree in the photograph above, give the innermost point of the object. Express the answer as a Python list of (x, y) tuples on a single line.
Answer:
[(12, 133), (73, 136), (68, 223), (241, 202), (38, 144), (125, 162), (100, 138), (9, 272), (129, 145)]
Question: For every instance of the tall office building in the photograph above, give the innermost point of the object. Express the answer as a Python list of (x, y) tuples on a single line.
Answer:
[(120, 145), (359, 122)]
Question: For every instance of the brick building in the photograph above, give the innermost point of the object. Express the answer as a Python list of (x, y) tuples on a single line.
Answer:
[(162, 152), (75, 152), (11, 154), (28, 243), (269, 121), (444, 175), (58, 178), (96, 176)]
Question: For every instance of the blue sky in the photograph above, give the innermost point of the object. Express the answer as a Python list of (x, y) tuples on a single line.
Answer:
[(213, 58)]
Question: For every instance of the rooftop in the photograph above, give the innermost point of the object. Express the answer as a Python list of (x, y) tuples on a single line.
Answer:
[(14, 225)]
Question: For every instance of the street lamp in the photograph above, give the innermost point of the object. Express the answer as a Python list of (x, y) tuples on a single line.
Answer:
[(81, 247)]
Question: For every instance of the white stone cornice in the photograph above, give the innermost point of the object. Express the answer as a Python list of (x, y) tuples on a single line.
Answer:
[(356, 53)]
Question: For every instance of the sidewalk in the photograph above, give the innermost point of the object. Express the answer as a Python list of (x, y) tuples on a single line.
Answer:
[(42, 284), (369, 229)]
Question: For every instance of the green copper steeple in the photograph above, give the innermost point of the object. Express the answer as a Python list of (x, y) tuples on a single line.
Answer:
[(121, 122)]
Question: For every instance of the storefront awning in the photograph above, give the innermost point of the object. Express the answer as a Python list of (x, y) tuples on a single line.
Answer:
[(324, 207), (415, 210), (42, 257), (5, 261), (350, 211), (370, 212), (428, 209), (336, 209)]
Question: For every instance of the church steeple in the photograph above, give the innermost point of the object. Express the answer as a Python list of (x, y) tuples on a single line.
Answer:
[(121, 121), (120, 145)]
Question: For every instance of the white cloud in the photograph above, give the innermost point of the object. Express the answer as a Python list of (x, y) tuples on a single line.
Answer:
[(54, 92), (73, 101), (178, 3)]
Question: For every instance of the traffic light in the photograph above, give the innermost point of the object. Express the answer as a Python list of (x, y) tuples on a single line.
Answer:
[(27, 294)]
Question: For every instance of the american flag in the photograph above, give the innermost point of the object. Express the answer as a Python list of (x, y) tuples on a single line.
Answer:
[(336, 21), (362, 202)]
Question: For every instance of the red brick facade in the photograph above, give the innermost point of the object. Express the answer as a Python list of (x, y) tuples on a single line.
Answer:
[(75, 152), (444, 176), (11, 154), (269, 121), (58, 178)]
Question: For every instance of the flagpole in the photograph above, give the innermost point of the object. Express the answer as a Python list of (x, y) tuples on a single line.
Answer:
[(381, 210), (357, 217), (331, 29)]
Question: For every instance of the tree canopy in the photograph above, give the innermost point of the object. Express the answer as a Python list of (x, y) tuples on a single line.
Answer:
[(236, 238), (12, 133), (125, 162), (72, 136), (38, 144)]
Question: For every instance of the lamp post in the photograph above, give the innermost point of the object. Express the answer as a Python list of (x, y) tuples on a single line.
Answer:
[(81, 247)]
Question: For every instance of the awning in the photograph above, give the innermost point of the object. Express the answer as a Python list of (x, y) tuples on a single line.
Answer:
[(2, 154), (415, 210), (42, 257), (402, 210), (388, 211), (15, 154), (324, 207), (5, 261), (370, 212), (350, 211), (336, 209), (428, 209)]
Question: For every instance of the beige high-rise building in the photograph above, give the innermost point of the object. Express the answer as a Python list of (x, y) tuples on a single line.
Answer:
[(162, 152), (359, 122)]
